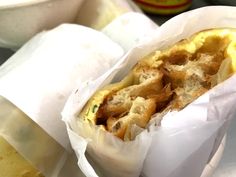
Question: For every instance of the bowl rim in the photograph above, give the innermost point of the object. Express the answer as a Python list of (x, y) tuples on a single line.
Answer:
[(24, 3)]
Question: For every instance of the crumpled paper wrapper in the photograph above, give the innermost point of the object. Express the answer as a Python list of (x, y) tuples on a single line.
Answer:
[(185, 141), (38, 79)]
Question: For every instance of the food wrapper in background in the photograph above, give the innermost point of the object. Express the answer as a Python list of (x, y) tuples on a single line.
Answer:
[(130, 29), (38, 79), (98, 13), (187, 139)]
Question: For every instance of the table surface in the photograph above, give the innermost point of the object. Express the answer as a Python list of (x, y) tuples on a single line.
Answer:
[(227, 165)]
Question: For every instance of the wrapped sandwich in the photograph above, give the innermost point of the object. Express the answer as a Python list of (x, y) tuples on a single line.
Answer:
[(116, 123), (163, 81), (163, 108), (33, 139)]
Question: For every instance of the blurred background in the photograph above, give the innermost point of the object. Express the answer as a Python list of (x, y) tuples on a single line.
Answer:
[(156, 15)]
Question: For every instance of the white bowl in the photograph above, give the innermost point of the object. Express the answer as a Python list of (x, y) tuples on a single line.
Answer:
[(22, 19)]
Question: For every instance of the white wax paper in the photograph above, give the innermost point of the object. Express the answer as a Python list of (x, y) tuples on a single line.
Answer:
[(40, 76), (185, 142)]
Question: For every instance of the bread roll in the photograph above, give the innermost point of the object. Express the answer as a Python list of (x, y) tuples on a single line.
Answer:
[(163, 81)]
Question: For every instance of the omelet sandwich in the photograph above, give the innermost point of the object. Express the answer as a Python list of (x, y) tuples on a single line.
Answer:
[(164, 81)]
